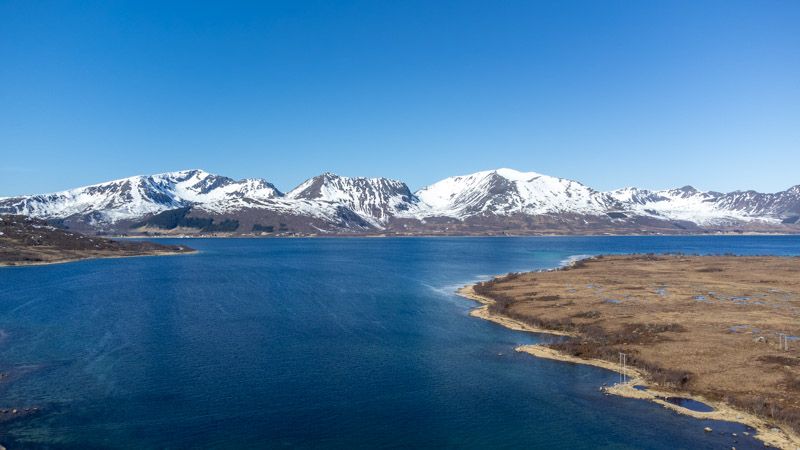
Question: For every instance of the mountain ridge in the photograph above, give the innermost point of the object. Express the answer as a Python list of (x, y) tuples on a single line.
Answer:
[(498, 201)]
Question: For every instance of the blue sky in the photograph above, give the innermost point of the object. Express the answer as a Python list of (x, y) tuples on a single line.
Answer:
[(611, 93)]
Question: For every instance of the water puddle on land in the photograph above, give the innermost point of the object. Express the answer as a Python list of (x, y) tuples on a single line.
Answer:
[(687, 403)]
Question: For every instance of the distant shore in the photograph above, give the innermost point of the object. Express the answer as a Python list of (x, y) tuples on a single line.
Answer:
[(31, 242), (388, 235), (562, 301), (91, 257)]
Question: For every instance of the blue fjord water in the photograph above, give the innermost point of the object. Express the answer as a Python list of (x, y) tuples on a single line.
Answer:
[(316, 343)]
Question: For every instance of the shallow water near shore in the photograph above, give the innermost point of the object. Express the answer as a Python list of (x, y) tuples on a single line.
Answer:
[(688, 403), (334, 343)]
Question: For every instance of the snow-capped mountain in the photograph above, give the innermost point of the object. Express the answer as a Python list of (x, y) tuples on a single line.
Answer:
[(711, 208), (781, 204), (494, 201), (686, 203), (376, 200), (507, 191), (137, 196)]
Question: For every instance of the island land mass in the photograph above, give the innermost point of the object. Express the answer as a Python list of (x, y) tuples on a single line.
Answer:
[(720, 330)]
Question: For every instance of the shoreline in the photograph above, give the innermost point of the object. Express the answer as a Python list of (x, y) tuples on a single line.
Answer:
[(482, 312), (765, 432), (383, 235), (89, 258)]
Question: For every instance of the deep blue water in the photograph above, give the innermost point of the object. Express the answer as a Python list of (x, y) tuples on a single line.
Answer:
[(332, 343)]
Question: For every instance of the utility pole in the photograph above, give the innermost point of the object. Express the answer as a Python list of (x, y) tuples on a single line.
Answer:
[(783, 342)]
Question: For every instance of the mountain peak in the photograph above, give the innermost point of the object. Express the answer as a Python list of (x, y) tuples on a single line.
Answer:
[(507, 192)]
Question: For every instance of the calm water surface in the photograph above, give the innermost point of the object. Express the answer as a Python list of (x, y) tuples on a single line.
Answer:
[(334, 343)]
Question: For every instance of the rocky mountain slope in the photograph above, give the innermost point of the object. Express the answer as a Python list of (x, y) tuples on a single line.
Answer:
[(488, 202), (376, 200)]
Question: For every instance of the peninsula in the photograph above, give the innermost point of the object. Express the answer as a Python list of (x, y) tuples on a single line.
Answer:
[(719, 329), (28, 241)]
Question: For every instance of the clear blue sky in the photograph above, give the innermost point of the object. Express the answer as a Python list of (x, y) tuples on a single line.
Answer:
[(611, 93)]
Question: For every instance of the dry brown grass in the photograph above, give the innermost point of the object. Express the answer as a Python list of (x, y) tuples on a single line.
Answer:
[(707, 325)]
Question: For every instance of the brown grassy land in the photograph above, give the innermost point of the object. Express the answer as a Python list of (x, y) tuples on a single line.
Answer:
[(704, 325), (26, 241)]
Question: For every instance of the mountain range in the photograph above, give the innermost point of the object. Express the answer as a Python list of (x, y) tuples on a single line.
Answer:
[(502, 201)]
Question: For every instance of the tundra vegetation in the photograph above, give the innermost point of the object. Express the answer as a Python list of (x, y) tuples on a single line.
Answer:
[(716, 326)]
